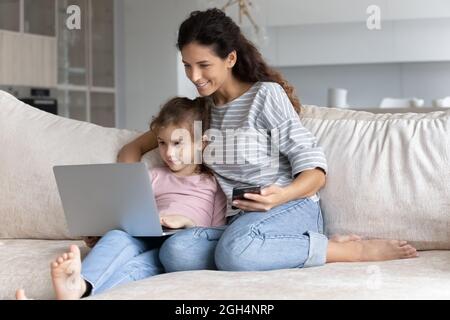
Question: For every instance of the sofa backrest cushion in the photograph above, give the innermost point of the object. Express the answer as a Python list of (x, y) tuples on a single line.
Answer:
[(32, 142), (389, 174)]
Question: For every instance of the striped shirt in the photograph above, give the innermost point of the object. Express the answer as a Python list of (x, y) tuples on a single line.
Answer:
[(258, 139)]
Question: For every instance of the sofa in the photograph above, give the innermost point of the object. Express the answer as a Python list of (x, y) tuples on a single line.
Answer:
[(389, 177)]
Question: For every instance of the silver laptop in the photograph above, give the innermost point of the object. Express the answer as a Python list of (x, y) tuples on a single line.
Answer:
[(98, 198)]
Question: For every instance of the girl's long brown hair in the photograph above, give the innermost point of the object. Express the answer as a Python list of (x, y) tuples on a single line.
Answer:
[(214, 28), (181, 111)]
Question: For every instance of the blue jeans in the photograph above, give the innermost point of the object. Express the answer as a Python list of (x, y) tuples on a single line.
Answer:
[(119, 258), (288, 236)]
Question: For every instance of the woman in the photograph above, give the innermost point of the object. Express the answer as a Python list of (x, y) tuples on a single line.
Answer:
[(282, 227)]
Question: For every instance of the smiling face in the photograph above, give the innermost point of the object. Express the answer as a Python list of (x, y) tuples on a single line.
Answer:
[(207, 71), (176, 149)]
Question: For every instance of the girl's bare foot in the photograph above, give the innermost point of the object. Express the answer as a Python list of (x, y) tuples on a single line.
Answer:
[(369, 250), (66, 275), (20, 295)]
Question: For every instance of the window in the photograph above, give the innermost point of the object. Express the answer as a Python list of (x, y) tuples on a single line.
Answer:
[(10, 15), (74, 103), (72, 44), (86, 63), (102, 109), (39, 17), (102, 43)]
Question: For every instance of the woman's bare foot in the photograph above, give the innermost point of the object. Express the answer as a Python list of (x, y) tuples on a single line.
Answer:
[(66, 275), (20, 295), (368, 250)]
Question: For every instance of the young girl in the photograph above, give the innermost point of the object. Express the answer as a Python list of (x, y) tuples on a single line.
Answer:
[(187, 195), (282, 227)]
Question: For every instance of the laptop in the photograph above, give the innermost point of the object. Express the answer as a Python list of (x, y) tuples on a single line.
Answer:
[(97, 198)]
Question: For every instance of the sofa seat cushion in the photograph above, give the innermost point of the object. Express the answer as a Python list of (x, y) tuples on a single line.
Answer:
[(26, 264), (426, 277)]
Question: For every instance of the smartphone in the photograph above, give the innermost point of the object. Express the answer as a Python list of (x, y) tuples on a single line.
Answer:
[(238, 193)]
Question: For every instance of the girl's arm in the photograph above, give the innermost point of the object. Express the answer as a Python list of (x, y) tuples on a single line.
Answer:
[(177, 222), (133, 151), (220, 208), (306, 184)]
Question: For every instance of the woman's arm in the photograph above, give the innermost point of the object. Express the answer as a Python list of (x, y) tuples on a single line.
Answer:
[(133, 151), (306, 184), (298, 145)]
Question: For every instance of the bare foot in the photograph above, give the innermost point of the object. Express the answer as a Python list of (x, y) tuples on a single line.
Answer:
[(369, 250), (20, 295), (345, 238), (66, 275)]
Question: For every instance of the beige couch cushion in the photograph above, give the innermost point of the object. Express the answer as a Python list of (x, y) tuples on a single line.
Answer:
[(389, 174), (32, 142), (427, 277), (25, 264)]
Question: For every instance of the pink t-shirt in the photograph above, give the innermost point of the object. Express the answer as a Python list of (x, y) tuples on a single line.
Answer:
[(197, 197)]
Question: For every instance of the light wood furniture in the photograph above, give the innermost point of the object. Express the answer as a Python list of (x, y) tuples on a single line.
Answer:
[(38, 50), (28, 59)]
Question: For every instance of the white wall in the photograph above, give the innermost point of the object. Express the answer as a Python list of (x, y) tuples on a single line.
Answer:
[(367, 84), (150, 71), (352, 42), (185, 87), (301, 12), (306, 35), (149, 58)]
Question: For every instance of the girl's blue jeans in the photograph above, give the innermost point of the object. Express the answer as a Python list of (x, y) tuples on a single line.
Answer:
[(288, 236)]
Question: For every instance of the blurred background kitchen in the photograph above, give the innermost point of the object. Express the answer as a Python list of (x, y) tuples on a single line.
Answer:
[(122, 64)]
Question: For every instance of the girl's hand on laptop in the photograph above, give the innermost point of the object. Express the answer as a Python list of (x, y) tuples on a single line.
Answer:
[(91, 241), (176, 222)]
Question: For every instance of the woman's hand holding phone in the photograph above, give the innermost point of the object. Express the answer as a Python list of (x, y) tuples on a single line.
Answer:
[(268, 198)]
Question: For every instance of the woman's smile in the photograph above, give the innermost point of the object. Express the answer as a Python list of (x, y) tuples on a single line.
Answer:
[(201, 85)]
